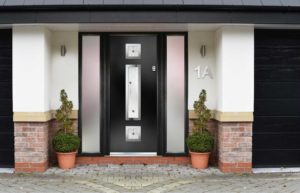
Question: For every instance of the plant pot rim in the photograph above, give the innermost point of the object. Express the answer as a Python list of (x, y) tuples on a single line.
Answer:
[(66, 152), (192, 152)]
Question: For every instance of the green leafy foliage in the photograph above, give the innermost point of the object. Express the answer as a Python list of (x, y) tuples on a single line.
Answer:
[(201, 140), (64, 112), (65, 142), (202, 112)]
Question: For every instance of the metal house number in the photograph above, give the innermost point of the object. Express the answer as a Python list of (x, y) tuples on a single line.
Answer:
[(203, 72)]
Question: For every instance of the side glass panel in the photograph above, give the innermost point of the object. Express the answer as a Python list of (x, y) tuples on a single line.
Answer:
[(175, 94), (90, 100)]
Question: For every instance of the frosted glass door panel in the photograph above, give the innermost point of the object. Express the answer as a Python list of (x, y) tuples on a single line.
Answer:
[(90, 94), (175, 94), (133, 92)]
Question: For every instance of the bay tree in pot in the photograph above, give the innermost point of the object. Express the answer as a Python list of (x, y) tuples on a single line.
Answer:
[(65, 142), (200, 142)]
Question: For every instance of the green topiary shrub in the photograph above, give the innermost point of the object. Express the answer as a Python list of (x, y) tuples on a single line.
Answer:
[(63, 114), (200, 142), (66, 142)]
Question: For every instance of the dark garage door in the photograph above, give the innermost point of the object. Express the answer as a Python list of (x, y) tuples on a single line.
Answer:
[(276, 129), (6, 114)]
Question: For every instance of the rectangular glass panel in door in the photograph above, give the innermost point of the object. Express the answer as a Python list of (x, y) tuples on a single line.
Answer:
[(175, 94), (90, 94), (133, 93)]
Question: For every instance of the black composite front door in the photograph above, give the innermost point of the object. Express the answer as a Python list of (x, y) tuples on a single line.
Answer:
[(133, 63)]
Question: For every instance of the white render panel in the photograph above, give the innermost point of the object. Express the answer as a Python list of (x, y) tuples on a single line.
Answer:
[(235, 69), (31, 60), (195, 84), (64, 69)]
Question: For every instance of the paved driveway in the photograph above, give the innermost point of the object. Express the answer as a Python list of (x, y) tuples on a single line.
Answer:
[(152, 179)]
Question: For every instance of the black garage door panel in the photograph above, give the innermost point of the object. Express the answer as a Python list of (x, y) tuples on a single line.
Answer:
[(276, 128), (5, 53), (6, 114), (6, 90), (277, 124), (279, 158), (277, 90), (276, 141), (5, 75), (5, 140), (6, 107), (6, 123), (277, 107), (272, 75)]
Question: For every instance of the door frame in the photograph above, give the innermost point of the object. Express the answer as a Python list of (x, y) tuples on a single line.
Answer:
[(105, 90)]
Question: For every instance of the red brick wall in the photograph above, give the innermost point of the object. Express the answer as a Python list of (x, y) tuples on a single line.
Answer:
[(31, 147), (235, 147)]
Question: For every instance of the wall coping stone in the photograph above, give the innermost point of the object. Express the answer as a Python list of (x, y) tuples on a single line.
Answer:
[(227, 116), (39, 116)]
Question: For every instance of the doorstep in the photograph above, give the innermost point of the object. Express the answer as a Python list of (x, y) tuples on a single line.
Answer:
[(7, 170), (144, 160)]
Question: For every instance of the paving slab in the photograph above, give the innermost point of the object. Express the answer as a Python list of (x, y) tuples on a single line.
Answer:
[(147, 178)]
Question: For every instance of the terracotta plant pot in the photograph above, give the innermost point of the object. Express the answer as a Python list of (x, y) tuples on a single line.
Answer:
[(66, 160), (199, 160)]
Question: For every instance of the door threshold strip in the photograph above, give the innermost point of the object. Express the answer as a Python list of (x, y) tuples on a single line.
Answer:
[(133, 154), (7, 170)]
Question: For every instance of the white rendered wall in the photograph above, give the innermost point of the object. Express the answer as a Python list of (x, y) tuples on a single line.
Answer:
[(235, 69), (195, 84), (64, 69), (31, 63)]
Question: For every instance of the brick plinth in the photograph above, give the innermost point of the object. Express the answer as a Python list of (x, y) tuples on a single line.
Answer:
[(235, 147), (133, 160), (31, 147)]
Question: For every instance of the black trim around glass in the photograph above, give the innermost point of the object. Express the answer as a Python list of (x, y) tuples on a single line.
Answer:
[(105, 98)]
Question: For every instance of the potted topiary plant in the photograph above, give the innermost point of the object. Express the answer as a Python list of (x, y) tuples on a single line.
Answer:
[(65, 142), (200, 142)]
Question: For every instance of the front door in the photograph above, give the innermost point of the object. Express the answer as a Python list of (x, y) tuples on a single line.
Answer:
[(133, 62)]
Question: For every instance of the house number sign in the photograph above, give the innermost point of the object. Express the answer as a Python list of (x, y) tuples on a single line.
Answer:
[(203, 72)]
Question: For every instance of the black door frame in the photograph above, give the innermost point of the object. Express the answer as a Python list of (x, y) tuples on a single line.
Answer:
[(105, 90)]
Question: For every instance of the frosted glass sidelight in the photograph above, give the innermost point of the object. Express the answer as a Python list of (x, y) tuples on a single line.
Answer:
[(175, 94), (133, 92), (90, 112)]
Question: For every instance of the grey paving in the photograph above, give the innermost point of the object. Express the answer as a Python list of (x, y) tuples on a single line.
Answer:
[(151, 179)]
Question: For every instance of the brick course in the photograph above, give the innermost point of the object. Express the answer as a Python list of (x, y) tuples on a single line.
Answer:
[(184, 160)]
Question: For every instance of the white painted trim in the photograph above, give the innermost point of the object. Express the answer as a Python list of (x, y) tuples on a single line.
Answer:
[(128, 154)]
